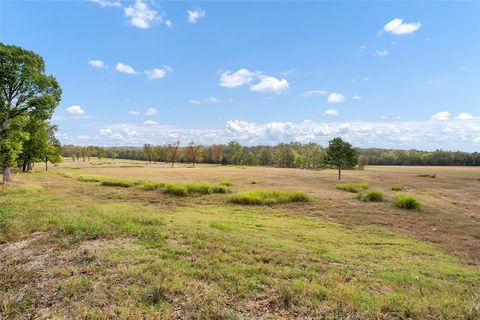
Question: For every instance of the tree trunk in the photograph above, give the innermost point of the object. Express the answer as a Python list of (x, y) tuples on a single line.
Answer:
[(24, 166), (339, 173), (29, 166), (7, 175), (46, 164)]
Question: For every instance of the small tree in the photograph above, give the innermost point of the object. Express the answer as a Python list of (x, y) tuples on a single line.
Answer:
[(362, 162), (341, 155), (173, 152), (217, 153), (194, 153)]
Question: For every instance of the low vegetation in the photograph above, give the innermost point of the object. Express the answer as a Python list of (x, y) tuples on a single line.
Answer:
[(152, 185), (226, 183), (123, 183), (426, 175), (407, 202), (265, 197), (352, 187), (371, 196), (396, 187), (199, 188)]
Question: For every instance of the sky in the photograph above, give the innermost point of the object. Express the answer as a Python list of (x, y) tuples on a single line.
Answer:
[(379, 74)]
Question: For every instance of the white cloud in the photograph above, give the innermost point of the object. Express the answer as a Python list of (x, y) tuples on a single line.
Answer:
[(331, 112), (168, 23), (141, 15), (209, 100), (398, 27), (194, 15), (107, 3), (381, 53), (239, 78), (97, 63), (314, 93), (125, 68), (271, 85), (105, 132), (76, 110), (465, 116), (357, 97), (134, 113), (150, 122), (151, 112), (156, 73), (443, 115), (335, 98)]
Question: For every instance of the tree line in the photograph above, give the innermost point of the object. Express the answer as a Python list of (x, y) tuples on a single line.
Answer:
[(287, 155)]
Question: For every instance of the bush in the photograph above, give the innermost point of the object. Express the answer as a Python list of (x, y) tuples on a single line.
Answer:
[(396, 187), (407, 202), (253, 182), (262, 196), (226, 183), (124, 183), (152, 185), (352, 187), (372, 196)]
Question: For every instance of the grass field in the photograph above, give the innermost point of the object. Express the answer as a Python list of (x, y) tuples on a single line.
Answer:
[(109, 240)]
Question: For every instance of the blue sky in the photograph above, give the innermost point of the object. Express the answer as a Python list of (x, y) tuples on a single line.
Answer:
[(379, 74)]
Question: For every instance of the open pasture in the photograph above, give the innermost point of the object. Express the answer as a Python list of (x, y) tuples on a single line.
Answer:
[(73, 247)]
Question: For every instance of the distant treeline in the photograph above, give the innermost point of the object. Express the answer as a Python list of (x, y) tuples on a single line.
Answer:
[(290, 155)]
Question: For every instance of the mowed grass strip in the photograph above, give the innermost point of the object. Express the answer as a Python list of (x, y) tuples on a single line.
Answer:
[(352, 187), (266, 197), (203, 257)]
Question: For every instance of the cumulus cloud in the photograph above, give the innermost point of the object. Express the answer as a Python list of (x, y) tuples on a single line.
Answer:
[(76, 110), (381, 53), (398, 27), (150, 122), (314, 93), (158, 73), (209, 100), (336, 98), (141, 15), (134, 113), (464, 116), (97, 63), (331, 112), (271, 85), (125, 68), (107, 3), (440, 116), (105, 132), (151, 112), (357, 97), (194, 15), (239, 78), (168, 23)]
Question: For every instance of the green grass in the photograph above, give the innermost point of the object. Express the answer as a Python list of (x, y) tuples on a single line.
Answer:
[(91, 178), (427, 175), (371, 196), (20, 189), (407, 202), (266, 197), (196, 188), (152, 185), (226, 183), (123, 183), (352, 187), (211, 260), (396, 187)]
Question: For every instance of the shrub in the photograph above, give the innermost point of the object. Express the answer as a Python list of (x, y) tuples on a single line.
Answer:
[(226, 183), (396, 187), (407, 202), (124, 183), (152, 185), (253, 182), (371, 196), (262, 196), (352, 187)]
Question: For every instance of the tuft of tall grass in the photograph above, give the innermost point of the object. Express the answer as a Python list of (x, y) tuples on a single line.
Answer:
[(371, 196), (91, 178), (152, 185), (396, 187), (407, 202), (427, 175), (153, 295), (123, 183), (226, 183), (263, 197), (352, 187), (184, 189)]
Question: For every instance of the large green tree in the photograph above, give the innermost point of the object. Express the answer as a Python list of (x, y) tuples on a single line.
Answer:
[(25, 90), (341, 155)]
